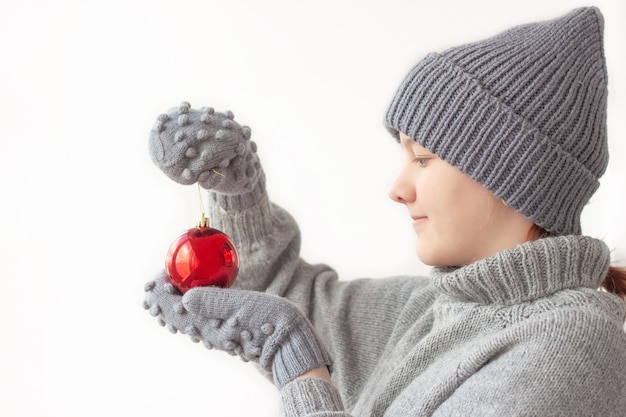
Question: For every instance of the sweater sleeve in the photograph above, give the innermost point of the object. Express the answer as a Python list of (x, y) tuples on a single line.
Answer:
[(312, 397), (353, 319)]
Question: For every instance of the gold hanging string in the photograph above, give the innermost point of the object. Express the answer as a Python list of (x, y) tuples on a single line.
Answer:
[(204, 221)]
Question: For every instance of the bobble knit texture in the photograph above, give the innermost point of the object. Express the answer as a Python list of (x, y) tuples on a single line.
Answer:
[(209, 148), (523, 113)]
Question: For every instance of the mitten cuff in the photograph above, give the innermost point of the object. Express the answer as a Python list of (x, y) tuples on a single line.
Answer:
[(243, 201), (300, 353), (245, 227)]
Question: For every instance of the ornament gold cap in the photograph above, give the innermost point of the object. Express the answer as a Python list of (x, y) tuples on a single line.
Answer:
[(203, 222)]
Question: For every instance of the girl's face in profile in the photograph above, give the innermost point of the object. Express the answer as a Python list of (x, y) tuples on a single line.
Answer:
[(456, 220)]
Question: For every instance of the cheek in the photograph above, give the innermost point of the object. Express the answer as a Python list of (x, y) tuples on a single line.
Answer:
[(470, 209), (454, 201), (459, 213)]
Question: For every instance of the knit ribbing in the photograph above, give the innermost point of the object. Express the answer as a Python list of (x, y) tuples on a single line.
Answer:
[(288, 364), (311, 396), (253, 224), (523, 113), (240, 201), (529, 271)]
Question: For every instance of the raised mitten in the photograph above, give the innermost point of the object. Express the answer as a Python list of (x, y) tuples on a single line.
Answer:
[(258, 327), (206, 147)]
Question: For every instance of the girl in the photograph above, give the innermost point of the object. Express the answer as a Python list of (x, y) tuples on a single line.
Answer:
[(504, 141)]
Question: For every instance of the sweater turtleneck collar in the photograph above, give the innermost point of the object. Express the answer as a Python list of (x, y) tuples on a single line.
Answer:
[(527, 272)]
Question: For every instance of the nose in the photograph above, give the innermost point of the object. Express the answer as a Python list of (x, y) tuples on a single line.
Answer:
[(402, 190)]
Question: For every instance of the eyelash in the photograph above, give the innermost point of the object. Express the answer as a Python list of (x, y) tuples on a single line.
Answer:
[(421, 161)]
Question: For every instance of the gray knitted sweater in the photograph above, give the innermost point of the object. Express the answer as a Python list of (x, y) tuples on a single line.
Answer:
[(525, 332)]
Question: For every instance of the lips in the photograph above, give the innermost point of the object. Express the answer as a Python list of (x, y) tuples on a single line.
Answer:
[(418, 220)]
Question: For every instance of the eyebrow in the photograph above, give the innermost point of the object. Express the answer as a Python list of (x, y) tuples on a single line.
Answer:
[(406, 142)]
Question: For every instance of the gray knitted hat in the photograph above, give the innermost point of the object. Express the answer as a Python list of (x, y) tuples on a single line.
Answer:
[(523, 113)]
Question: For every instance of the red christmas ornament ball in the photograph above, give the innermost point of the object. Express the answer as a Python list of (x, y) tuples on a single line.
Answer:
[(201, 257)]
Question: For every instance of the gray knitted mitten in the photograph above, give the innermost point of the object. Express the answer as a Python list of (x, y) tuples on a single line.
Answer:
[(209, 148), (259, 327)]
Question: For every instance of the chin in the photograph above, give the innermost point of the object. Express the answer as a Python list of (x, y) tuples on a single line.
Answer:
[(432, 257), (427, 257)]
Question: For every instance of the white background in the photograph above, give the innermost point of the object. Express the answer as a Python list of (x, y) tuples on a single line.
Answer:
[(86, 218)]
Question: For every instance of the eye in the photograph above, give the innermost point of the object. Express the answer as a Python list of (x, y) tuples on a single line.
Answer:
[(422, 161)]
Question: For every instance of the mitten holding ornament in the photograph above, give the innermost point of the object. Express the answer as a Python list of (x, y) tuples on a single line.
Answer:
[(213, 150), (209, 148), (259, 327)]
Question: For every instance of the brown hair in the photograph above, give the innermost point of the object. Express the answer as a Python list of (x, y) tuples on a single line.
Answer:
[(615, 281)]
